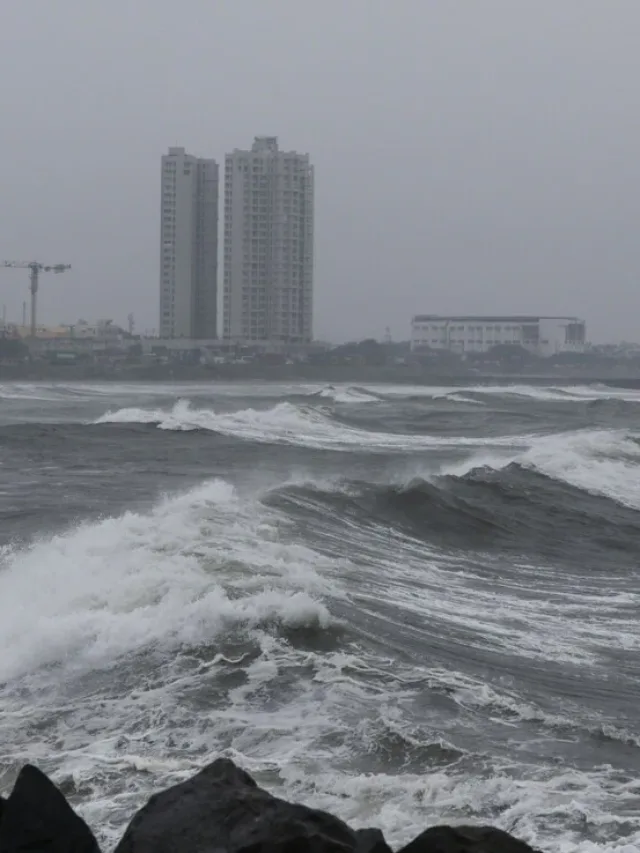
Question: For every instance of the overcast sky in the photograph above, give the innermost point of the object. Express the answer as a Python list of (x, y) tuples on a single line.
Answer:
[(478, 156)]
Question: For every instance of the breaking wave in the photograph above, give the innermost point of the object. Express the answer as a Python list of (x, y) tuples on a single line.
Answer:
[(565, 496), (538, 393), (447, 633), (286, 423), (601, 462), (348, 395), (168, 577)]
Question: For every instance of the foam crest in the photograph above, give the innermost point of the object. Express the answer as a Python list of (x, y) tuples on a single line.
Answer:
[(599, 461), (71, 391), (286, 423), (547, 811), (541, 393), (604, 462), (347, 395), (460, 398), (196, 566)]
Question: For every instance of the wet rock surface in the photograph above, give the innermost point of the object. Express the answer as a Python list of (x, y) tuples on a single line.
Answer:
[(37, 818), (219, 810)]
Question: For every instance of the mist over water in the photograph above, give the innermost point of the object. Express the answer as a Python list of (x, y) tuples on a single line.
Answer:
[(407, 605)]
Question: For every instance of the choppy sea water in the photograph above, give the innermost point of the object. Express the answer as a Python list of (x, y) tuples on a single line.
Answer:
[(407, 605)]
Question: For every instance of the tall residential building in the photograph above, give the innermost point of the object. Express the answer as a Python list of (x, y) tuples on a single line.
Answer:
[(268, 244), (189, 246)]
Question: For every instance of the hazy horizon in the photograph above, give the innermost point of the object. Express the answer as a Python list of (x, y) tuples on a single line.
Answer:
[(472, 158)]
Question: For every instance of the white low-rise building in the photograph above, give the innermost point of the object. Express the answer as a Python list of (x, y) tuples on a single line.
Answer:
[(544, 336)]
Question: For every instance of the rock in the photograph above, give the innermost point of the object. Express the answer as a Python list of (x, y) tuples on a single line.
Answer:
[(222, 810), (466, 839), (37, 818), (371, 841)]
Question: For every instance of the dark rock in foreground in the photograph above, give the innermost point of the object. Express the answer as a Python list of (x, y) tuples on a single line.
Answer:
[(465, 839), (219, 810), (223, 809), (37, 818)]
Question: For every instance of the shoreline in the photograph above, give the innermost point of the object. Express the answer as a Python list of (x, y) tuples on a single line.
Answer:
[(360, 375)]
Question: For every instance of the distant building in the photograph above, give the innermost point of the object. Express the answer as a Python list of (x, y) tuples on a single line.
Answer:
[(42, 332), (544, 336), (80, 334), (103, 330), (268, 244), (188, 246)]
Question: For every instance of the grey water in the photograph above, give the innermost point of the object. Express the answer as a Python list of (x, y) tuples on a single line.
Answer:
[(406, 605)]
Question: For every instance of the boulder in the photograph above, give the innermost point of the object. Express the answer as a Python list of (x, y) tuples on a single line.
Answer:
[(466, 839), (222, 810), (37, 818), (219, 810)]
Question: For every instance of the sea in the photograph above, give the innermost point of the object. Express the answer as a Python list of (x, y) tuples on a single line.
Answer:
[(407, 605)]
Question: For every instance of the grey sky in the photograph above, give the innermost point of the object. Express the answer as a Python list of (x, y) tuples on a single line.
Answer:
[(470, 156)]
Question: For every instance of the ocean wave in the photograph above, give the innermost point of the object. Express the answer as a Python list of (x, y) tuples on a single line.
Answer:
[(56, 392), (547, 809), (286, 423), (349, 395), (416, 574), (599, 462), (471, 693), (536, 393), (565, 495), (461, 398), (539, 393), (319, 631), (192, 569), (332, 750)]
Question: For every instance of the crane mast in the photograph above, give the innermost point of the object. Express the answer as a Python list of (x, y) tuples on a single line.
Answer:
[(35, 269)]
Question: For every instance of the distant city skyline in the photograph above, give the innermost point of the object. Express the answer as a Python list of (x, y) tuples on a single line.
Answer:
[(268, 245), (470, 158)]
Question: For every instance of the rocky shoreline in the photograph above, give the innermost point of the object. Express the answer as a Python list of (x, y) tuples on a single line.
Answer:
[(219, 810)]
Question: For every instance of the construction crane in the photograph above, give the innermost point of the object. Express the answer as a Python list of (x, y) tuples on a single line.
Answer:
[(35, 269)]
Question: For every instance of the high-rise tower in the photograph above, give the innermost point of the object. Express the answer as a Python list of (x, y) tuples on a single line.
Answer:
[(268, 244), (188, 246)]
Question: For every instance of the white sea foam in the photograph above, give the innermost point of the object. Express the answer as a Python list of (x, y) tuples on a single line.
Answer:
[(207, 564), (347, 395), (604, 462), (449, 394), (105, 589), (542, 393), (286, 423), (444, 599), (70, 391), (460, 398), (601, 392), (471, 693), (542, 809), (73, 391)]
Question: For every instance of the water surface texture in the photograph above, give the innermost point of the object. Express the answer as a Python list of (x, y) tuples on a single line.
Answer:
[(406, 605)]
